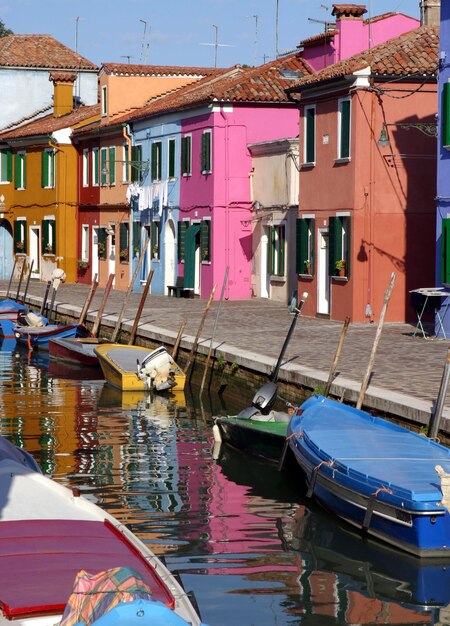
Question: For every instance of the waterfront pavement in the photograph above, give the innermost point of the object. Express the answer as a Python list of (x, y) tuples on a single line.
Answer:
[(406, 375)]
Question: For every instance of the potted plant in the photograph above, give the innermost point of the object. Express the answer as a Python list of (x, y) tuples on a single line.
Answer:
[(155, 250), (307, 266), (20, 246), (124, 254), (101, 249), (49, 248), (340, 267), (82, 264)]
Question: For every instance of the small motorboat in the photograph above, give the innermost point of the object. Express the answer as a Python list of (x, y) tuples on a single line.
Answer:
[(65, 561), (39, 336), (79, 350), (388, 481), (10, 309), (135, 368)]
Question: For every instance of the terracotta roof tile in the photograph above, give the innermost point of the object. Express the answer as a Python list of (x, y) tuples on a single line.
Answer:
[(131, 69), (49, 123), (63, 77), (40, 51), (349, 10), (412, 54), (319, 37)]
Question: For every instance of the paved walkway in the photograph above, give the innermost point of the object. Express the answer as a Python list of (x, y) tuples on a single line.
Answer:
[(406, 374)]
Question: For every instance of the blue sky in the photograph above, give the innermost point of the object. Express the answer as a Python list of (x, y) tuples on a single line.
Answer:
[(173, 32)]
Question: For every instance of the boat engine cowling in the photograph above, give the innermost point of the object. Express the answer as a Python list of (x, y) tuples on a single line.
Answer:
[(158, 370), (262, 402)]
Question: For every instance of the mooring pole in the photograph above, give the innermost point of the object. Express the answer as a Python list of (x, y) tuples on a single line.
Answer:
[(11, 277), (437, 413), (101, 308), (141, 308), (28, 282), (336, 356), (197, 337), (87, 302), (20, 279)]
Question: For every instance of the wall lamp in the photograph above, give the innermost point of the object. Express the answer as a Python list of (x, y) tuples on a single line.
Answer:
[(429, 129)]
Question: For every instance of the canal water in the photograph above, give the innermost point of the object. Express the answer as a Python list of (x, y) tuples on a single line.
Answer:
[(241, 535)]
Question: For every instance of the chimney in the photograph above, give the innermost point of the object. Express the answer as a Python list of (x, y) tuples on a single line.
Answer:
[(63, 92), (350, 36), (430, 11)]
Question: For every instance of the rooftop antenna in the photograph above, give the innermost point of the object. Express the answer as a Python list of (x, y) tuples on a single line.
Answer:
[(77, 19), (216, 44), (255, 53), (276, 31), (327, 25), (126, 56), (143, 41)]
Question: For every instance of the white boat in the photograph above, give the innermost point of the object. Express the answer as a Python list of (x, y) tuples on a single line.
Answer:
[(51, 536)]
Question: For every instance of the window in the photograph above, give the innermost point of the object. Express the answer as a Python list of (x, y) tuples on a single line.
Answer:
[(124, 242), (205, 240), (136, 238), (108, 165), (206, 165), (101, 242), (154, 236), (85, 167), (309, 147), (48, 235), (277, 244), (112, 166), (20, 170), (85, 242), (186, 155), (182, 228), (103, 165), (5, 165), (125, 162), (171, 156), (344, 128), (156, 160), (136, 164), (104, 100), (95, 167), (445, 251), (48, 169), (20, 236), (339, 242), (305, 250)]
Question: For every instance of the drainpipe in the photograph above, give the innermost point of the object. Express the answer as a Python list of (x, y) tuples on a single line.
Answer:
[(227, 211)]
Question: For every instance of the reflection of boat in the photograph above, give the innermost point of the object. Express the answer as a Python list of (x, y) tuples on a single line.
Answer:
[(38, 337), (78, 350), (134, 368), (366, 565), (377, 475), (51, 536), (113, 397)]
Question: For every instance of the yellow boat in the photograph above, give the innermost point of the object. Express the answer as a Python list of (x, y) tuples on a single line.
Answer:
[(134, 368)]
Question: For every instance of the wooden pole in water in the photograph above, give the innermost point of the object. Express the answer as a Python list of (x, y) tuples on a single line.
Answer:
[(141, 306), (365, 382), (437, 413), (178, 340), (127, 296), (21, 277), (87, 304), (44, 300), (98, 319), (336, 356), (11, 277), (28, 282), (208, 358), (202, 321)]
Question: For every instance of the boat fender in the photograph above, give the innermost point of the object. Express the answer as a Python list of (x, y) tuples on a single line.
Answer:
[(139, 613), (216, 433), (445, 486)]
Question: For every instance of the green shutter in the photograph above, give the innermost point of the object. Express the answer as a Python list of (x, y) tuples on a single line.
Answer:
[(6, 164), (182, 227), (349, 242), (183, 155), (301, 255), (135, 161), (344, 152), (95, 167), (446, 114), (136, 238), (154, 161), (281, 249), (17, 235), (270, 251), (310, 129), (335, 244), (205, 240), (445, 251), (103, 172), (206, 152), (188, 155), (112, 166), (18, 182), (45, 235), (171, 172), (44, 169)]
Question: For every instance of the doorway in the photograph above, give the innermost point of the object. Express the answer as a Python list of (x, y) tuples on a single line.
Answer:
[(6, 250), (264, 272), (35, 239), (169, 255), (323, 278)]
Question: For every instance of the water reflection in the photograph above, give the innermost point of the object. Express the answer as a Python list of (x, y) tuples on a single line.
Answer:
[(240, 533)]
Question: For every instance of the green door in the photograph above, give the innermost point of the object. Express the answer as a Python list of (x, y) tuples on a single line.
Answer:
[(189, 256)]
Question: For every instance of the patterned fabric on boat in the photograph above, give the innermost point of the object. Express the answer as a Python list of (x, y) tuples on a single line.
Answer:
[(94, 595)]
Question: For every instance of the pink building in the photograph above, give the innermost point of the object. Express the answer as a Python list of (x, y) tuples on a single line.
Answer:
[(368, 179)]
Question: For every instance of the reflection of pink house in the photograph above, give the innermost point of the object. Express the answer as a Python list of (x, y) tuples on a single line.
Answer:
[(368, 179)]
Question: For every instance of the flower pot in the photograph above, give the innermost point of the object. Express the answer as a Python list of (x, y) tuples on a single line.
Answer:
[(341, 272)]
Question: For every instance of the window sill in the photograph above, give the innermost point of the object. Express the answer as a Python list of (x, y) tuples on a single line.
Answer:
[(306, 276), (277, 279), (206, 262), (342, 161), (48, 254), (206, 172), (307, 166), (186, 174), (20, 253), (340, 279)]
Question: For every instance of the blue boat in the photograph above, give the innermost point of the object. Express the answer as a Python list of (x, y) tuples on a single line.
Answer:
[(384, 479), (39, 336)]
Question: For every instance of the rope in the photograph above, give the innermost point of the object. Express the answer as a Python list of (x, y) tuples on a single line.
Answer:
[(383, 488)]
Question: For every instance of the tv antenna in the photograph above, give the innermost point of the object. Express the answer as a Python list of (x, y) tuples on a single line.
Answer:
[(77, 19), (327, 25), (126, 56), (144, 57), (255, 53), (216, 44)]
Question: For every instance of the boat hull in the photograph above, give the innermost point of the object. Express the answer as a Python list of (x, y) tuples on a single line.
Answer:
[(120, 366), (377, 476), (261, 439), (76, 350), (39, 338)]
